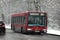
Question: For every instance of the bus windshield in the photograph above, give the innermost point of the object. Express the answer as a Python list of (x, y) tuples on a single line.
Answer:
[(36, 20)]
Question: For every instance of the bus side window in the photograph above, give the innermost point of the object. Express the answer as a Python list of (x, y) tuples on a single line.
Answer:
[(19, 19), (14, 19), (11, 19), (24, 20)]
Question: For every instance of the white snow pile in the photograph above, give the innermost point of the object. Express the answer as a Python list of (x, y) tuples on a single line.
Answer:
[(51, 31), (8, 26)]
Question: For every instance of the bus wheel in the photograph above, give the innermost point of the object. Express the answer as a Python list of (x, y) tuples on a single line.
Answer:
[(23, 31), (43, 33), (13, 28)]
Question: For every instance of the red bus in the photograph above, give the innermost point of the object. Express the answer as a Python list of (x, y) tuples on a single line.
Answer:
[(29, 22)]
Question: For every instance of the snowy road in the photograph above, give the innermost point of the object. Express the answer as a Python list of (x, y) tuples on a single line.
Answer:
[(49, 31)]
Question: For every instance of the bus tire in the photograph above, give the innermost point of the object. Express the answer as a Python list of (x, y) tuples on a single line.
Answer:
[(23, 31), (11, 28), (14, 29)]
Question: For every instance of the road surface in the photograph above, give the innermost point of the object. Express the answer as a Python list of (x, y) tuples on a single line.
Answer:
[(10, 35)]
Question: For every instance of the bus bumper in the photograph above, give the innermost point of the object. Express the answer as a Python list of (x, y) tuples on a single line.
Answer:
[(37, 31)]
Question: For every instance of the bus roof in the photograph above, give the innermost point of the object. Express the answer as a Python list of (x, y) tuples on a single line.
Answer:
[(24, 13)]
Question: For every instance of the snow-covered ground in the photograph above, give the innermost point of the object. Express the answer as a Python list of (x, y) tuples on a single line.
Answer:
[(8, 26), (49, 31)]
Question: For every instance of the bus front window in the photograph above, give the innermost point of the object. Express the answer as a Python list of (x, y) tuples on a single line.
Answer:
[(36, 20)]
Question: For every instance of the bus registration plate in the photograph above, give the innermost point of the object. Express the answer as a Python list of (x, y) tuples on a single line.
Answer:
[(37, 31)]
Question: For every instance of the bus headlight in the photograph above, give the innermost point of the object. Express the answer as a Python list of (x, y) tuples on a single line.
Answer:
[(29, 29), (45, 30)]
